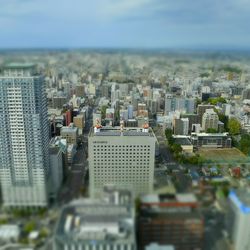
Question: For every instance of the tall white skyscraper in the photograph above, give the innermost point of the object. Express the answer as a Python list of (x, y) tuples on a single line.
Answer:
[(24, 137)]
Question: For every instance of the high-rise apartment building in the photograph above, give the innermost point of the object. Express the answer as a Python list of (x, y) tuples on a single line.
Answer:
[(24, 137), (123, 157)]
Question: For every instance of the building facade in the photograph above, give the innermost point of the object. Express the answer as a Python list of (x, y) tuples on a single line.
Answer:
[(210, 120), (184, 105), (201, 109), (170, 220), (24, 135), (123, 157), (214, 140), (181, 126)]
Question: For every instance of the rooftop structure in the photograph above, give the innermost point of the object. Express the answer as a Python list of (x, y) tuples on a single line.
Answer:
[(107, 222), (116, 131)]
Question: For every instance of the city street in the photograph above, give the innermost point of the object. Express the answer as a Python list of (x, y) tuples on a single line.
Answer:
[(75, 185)]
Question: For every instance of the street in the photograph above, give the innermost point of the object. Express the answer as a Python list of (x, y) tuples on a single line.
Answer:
[(75, 185)]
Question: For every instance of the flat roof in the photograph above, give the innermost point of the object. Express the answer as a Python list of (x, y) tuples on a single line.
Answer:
[(182, 198), (182, 140), (68, 129), (19, 65), (92, 219), (209, 134), (127, 131), (241, 199)]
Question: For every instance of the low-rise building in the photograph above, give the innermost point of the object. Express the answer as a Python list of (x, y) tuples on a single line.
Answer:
[(79, 123), (70, 133), (9, 233), (106, 223), (185, 143), (211, 140), (170, 220)]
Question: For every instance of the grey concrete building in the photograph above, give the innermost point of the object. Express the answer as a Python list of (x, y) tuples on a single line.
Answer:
[(100, 224)]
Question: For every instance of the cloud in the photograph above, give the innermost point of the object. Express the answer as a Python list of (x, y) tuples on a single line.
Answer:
[(124, 23)]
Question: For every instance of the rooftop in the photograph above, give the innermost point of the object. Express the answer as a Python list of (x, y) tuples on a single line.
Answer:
[(117, 131), (69, 129), (241, 199), (178, 198), (19, 65), (209, 134), (182, 140), (96, 220)]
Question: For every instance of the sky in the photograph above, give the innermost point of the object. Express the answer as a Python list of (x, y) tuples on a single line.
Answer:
[(125, 24)]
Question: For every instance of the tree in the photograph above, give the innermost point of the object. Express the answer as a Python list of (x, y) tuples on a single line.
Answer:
[(44, 232), (244, 144), (215, 101), (223, 118), (234, 126), (103, 111), (211, 130), (177, 149), (168, 133), (29, 227)]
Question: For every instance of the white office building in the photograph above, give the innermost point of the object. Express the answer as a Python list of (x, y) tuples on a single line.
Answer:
[(24, 137), (123, 157)]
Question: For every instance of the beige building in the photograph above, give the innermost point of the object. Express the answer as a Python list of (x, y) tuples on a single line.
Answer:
[(210, 119), (123, 157), (70, 133), (79, 123)]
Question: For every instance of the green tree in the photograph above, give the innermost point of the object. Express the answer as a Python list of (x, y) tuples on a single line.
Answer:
[(244, 144), (223, 118), (177, 149), (216, 100), (103, 111), (29, 227), (211, 130), (168, 133), (234, 126), (44, 232)]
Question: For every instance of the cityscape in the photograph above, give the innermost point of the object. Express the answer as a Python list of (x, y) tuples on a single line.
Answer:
[(114, 142)]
